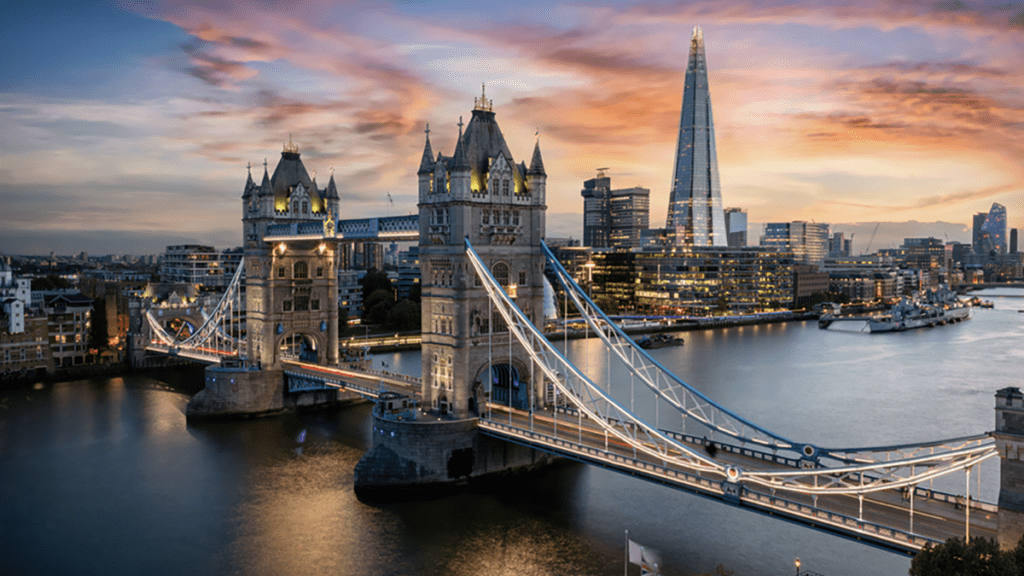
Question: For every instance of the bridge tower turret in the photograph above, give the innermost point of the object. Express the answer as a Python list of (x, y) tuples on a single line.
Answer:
[(291, 286), (478, 193), (1009, 436)]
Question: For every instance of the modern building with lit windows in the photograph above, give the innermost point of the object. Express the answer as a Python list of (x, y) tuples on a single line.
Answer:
[(696, 281), (807, 241), (994, 229)]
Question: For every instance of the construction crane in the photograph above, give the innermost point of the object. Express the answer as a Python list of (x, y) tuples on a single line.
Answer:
[(872, 241)]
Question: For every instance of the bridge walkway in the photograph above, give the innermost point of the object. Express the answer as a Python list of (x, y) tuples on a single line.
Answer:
[(936, 516)]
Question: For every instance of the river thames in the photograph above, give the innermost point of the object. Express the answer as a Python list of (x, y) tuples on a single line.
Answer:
[(104, 476)]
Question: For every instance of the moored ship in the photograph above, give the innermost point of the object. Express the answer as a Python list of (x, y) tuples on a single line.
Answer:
[(934, 308)]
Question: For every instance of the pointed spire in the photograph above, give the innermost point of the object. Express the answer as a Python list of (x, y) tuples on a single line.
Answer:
[(459, 161), (249, 184), (332, 189), (265, 189), (537, 163), (427, 162)]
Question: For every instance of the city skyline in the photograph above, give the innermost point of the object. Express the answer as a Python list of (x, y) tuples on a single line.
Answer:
[(133, 128)]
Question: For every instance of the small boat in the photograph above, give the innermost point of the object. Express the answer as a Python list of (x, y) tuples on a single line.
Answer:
[(659, 341)]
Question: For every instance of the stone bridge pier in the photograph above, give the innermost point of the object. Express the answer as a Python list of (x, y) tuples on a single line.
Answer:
[(1009, 436)]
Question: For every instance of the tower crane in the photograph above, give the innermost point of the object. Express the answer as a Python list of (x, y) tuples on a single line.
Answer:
[(872, 240)]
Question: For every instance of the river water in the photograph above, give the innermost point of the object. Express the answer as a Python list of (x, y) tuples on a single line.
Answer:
[(104, 476)]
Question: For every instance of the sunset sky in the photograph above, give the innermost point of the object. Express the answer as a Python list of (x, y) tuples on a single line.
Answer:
[(128, 126)]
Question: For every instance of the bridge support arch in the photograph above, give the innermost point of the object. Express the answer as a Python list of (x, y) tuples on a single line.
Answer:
[(1009, 436)]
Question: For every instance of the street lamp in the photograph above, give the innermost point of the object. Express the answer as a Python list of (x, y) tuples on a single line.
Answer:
[(797, 563), (590, 277)]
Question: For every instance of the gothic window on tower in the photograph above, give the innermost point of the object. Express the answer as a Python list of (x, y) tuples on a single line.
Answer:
[(305, 207), (500, 272), (522, 277), (487, 216), (286, 306), (301, 270), (280, 271), (319, 271), (515, 218), (504, 187)]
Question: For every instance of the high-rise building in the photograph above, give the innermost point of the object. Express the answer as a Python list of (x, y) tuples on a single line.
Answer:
[(807, 241), (695, 205), (736, 227), (977, 234), (630, 210), (613, 218), (1013, 241), (838, 245), (994, 228), (596, 221)]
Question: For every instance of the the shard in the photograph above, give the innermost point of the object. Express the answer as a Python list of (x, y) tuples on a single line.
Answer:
[(695, 206)]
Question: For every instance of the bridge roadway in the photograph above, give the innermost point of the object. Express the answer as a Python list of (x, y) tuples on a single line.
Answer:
[(369, 383), (884, 520)]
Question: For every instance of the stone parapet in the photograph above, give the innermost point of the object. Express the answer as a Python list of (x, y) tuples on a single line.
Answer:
[(237, 392)]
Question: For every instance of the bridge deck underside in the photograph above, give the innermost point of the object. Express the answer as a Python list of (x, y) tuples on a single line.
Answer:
[(884, 521)]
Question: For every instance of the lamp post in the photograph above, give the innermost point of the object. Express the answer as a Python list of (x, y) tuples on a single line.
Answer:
[(590, 277), (797, 563)]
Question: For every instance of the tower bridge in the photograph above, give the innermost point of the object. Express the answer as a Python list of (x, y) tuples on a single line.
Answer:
[(496, 396)]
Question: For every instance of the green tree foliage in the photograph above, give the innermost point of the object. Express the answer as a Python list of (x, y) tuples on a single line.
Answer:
[(50, 282), (981, 557), (608, 304), (376, 306), (403, 316), (415, 292), (373, 281)]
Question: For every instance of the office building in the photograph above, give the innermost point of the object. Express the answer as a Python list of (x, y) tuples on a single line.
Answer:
[(596, 211), (1013, 241), (807, 241), (695, 205), (736, 227), (630, 215), (994, 229)]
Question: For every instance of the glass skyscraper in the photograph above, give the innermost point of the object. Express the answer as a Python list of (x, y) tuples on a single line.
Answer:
[(695, 207), (994, 228)]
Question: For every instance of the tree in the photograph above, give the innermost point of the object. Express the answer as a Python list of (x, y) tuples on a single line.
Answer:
[(373, 281), (403, 316), (981, 557), (376, 306), (722, 305)]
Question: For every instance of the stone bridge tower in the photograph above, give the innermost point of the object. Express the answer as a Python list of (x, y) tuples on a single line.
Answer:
[(478, 193), (291, 285), (1009, 436)]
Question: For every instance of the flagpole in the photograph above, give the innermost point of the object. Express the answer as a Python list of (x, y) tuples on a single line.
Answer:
[(625, 564)]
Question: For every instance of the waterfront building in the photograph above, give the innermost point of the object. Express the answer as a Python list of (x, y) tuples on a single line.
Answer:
[(68, 317), (807, 241), (1013, 241), (611, 279), (630, 214), (736, 227), (808, 280), (695, 205), (704, 281), (856, 285), (24, 345)]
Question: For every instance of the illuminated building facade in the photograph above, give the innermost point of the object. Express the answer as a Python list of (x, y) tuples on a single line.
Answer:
[(695, 204), (994, 229), (695, 281), (596, 211), (482, 194), (806, 240), (291, 286)]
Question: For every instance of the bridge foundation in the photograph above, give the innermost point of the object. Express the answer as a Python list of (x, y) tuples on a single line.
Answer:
[(1009, 436), (432, 453), (243, 392)]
